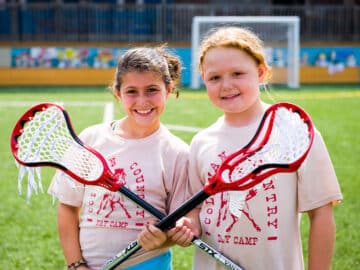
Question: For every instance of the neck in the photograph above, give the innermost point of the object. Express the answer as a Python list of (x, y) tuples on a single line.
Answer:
[(246, 117), (127, 130)]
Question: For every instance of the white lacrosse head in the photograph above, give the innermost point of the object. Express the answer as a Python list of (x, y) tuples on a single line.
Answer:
[(288, 141), (46, 138)]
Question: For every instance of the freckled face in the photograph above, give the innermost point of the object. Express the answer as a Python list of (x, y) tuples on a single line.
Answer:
[(232, 79)]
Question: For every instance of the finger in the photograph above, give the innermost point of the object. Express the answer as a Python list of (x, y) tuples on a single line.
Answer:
[(153, 221), (151, 238), (183, 237), (154, 230), (171, 233)]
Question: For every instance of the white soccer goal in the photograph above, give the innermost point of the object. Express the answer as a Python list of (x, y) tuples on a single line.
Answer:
[(281, 36)]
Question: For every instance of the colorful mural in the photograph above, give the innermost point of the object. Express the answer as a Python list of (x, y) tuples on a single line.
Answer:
[(336, 59)]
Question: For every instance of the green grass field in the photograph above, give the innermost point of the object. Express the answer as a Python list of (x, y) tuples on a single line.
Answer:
[(28, 232)]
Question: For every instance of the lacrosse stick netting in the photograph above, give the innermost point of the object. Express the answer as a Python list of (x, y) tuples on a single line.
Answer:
[(43, 137), (287, 145)]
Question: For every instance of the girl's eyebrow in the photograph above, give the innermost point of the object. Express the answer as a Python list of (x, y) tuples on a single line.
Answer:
[(211, 72), (129, 87), (146, 86)]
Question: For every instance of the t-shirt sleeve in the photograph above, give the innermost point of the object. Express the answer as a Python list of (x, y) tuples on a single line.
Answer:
[(66, 190), (318, 184)]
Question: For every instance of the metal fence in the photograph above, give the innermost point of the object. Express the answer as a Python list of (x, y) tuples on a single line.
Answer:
[(94, 22)]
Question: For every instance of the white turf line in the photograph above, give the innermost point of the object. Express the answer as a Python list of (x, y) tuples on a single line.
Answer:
[(108, 111), (183, 128)]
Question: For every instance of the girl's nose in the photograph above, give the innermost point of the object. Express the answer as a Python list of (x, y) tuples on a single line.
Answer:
[(226, 84), (143, 98)]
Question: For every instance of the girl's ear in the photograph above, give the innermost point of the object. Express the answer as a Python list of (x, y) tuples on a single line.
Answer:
[(117, 94), (262, 73), (169, 89)]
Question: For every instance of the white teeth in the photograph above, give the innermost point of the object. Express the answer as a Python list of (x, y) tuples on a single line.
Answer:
[(143, 111), (230, 96)]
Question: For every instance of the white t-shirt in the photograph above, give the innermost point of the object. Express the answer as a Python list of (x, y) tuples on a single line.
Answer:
[(156, 169), (264, 233)]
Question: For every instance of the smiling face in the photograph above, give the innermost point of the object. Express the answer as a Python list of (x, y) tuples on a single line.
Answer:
[(232, 79), (143, 96)]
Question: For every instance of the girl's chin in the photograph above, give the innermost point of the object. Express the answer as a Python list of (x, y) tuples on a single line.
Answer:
[(229, 106)]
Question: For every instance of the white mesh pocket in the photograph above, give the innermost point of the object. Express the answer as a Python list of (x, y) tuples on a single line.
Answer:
[(288, 141), (46, 139)]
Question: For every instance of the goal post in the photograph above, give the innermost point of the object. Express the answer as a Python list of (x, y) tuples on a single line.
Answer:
[(280, 34)]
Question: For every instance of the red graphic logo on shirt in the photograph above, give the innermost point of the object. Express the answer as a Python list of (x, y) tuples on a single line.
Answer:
[(223, 216), (114, 210), (111, 201)]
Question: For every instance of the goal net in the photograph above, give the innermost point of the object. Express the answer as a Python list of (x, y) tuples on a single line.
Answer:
[(280, 35)]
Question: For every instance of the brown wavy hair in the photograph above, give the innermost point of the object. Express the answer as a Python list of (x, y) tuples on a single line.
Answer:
[(152, 59)]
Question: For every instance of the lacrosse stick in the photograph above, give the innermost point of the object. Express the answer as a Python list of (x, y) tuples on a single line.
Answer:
[(44, 136), (280, 144)]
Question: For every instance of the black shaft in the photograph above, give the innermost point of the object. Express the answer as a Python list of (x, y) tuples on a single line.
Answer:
[(144, 204), (169, 221)]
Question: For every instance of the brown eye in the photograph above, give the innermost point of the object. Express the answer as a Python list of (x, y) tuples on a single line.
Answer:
[(131, 92), (214, 78), (152, 90)]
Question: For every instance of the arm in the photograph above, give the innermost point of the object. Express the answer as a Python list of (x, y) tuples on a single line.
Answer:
[(68, 227), (321, 238)]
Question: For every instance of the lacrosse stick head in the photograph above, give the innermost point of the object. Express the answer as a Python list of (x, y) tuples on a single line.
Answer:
[(43, 136), (280, 144)]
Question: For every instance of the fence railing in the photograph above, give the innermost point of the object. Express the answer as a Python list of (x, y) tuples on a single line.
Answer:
[(93, 22)]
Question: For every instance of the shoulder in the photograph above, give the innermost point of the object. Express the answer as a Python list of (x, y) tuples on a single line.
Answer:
[(318, 142), (172, 142), (318, 158), (208, 133), (92, 133)]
